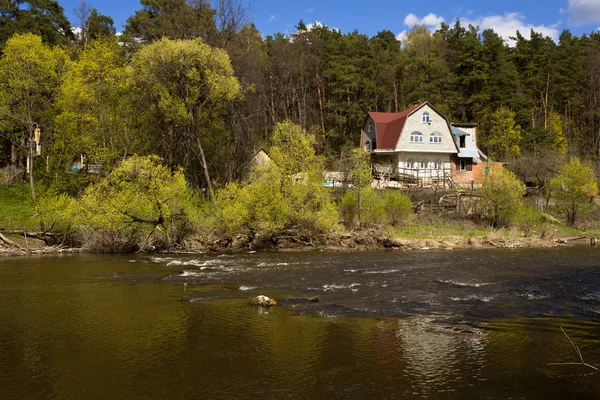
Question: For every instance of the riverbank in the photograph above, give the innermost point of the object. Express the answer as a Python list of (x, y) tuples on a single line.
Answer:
[(377, 240), (357, 240)]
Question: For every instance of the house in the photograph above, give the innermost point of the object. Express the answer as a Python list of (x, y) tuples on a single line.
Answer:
[(419, 145)]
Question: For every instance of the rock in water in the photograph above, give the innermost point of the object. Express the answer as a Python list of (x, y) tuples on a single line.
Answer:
[(262, 300)]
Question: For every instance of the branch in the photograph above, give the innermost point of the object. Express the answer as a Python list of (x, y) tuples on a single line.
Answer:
[(140, 220), (576, 351)]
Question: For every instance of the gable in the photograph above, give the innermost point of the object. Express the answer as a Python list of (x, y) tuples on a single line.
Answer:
[(387, 127), (426, 130)]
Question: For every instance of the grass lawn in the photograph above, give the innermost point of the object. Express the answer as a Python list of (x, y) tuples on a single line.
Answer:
[(16, 208)]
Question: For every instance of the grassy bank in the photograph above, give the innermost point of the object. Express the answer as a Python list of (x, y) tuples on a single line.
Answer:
[(16, 208)]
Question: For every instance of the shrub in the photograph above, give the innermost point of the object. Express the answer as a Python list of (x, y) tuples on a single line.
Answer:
[(573, 188), (269, 202), (398, 207), (286, 193), (502, 193), (57, 212), (529, 219), (138, 199)]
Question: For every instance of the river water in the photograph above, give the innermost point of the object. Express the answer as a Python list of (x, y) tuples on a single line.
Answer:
[(432, 324)]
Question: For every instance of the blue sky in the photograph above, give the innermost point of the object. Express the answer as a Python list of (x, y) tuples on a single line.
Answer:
[(549, 17)]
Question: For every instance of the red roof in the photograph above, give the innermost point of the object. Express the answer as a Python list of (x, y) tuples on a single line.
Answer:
[(388, 127)]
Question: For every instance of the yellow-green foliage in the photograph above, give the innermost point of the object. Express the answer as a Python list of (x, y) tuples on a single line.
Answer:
[(285, 194), (502, 193), (139, 195), (529, 219), (94, 100), (57, 212), (573, 189), (505, 134), (378, 207), (182, 76), (30, 72), (398, 207)]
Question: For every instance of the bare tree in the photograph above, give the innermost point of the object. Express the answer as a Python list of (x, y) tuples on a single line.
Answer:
[(83, 12), (231, 15)]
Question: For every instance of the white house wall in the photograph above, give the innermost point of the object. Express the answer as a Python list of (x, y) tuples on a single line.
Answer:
[(436, 124)]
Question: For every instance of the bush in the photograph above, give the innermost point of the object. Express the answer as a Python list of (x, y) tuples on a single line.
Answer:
[(573, 188), (378, 207), (502, 193), (269, 202), (529, 219), (139, 199), (398, 207), (57, 212)]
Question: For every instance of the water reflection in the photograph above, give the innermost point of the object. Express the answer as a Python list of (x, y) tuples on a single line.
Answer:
[(103, 327)]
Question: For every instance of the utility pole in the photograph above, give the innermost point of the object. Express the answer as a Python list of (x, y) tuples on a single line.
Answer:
[(34, 141)]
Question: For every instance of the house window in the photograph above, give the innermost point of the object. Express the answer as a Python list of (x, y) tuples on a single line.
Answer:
[(370, 130), (367, 146), (423, 164), (425, 117), (462, 165), (435, 137), (463, 141), (410, 164), (437, 164), (416, 137)]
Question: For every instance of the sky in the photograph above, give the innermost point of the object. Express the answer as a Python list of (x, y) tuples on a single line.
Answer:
[(548, 17)]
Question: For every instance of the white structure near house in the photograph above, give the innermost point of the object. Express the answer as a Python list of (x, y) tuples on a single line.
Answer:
[(420, 145)]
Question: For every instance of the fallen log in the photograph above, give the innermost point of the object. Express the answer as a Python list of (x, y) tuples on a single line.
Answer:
[(9, 242)]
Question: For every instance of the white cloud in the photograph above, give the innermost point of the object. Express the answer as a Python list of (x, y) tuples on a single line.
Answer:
[(401, 36), (431, 20), (315, 24), (508, 24), (310, 10), (272, 18), (583, 12)]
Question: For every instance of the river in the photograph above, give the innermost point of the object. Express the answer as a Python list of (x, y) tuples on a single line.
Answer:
[(482, 324)]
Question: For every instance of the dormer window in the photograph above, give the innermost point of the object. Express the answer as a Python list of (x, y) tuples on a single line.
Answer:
[(463, 141), (416, 137), (425, 117), (435, 137)]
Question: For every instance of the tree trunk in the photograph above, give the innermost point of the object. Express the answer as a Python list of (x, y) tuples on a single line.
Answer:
[(170, 144), (321, 108), (30, 162), (205, 169), (546, 102)]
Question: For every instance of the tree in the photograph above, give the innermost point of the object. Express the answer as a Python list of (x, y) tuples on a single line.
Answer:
[(505, 135), (172, 19), (361, 176), (182, 86), (30, 73), (555, 138), (293, 150), (287, 193), (45, 18), (502, 192), (95, 116), (138, 198), (573, 188), (93, 25)]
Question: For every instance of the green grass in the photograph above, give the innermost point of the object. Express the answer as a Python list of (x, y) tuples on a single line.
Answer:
[(438, 229), (16, 208)]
